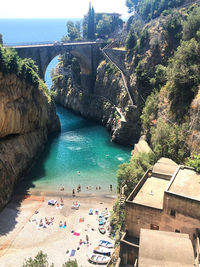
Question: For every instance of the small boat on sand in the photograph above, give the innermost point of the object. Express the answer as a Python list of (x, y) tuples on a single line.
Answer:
[(52, 202), (99, 259), (102, 251), (106, 244), (102, 230)]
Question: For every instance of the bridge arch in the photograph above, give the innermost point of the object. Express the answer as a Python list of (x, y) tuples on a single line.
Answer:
[(85, 65), (87, 54)]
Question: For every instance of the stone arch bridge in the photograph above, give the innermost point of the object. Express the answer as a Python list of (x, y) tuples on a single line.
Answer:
[(87, 53)]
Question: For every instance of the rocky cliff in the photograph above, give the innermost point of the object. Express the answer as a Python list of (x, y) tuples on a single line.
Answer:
[(108, 104), (27, 116)]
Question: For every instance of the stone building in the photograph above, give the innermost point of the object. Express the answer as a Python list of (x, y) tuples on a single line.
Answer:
[(159, 248), (167, 198)]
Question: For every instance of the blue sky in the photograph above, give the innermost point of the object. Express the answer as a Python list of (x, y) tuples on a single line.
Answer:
[(58, 8)]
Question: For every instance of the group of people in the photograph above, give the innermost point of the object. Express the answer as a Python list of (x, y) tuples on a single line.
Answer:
[(88, 188), (78, 190), (61, 204), (82, 242), (44, 223), (62, 225)]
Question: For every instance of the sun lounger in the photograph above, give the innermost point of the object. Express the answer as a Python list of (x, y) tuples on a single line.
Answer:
[(72, 252)]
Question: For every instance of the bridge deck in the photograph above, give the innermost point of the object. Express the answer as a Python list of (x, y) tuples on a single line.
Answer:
[(53, 44)]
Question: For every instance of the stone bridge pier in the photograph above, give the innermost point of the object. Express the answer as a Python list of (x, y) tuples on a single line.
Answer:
[(88, 55)]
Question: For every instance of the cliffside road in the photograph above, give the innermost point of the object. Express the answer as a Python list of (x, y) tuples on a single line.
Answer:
[(122, 74)]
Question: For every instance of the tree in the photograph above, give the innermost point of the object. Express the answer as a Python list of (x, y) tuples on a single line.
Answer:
[(91, 24), (1, 39), (70, 264), (130, 173), (40, 260), (131, 39), (73, 31), (104, 26), (183, 73), (194, 161), (192, 25), (150, 110), (131, 4), (169, 140)]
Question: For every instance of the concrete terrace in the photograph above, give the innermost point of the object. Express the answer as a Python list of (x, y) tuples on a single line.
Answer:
[(186, 182), (152, 193), (151, 188)]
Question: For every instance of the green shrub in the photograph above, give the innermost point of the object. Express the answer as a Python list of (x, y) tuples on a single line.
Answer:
[(194, 161), (11, 63), (183, 73), (70, 263), (111, 69), (169, 140), (150, 110), (131, 172), (192, 25), (40, 260)]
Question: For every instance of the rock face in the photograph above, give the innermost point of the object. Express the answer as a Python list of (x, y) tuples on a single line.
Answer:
[(108, 104), (27, 116)]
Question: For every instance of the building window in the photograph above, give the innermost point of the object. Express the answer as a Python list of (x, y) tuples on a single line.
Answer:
[(172, 213), (154, 227), (177, 231)]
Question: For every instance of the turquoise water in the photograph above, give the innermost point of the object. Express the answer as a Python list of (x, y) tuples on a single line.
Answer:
[(83, 146)]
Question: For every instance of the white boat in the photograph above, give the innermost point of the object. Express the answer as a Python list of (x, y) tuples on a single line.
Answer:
[(106, 244), (52, 202), (99, 259), (102, 250)]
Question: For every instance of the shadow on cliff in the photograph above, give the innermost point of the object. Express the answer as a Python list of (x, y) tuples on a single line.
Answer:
[(22, 190), (38, 171)]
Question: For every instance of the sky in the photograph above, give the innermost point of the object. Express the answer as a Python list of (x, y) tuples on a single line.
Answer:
[(58, 8)]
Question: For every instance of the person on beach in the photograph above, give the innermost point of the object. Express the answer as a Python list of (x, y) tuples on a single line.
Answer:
[(73, 193), (62, 188), (87, 239), (60, 224), (79, 188), (110, 187), (41, 223), (61, 202)]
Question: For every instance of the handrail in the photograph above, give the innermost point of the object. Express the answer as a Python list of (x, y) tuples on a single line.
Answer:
[(122, 74)]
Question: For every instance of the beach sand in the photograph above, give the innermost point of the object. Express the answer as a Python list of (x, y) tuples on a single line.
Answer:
[(20, 237)]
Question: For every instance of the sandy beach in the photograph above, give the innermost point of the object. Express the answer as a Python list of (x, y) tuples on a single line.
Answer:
[(20, 236)]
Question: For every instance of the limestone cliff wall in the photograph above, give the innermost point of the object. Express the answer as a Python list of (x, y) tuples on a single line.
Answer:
[(108, 104), (27, 116)]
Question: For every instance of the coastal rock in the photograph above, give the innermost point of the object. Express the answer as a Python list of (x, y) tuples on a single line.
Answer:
[(27, 116)]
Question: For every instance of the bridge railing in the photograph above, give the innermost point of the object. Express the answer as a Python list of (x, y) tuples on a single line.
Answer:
[(47, 43)]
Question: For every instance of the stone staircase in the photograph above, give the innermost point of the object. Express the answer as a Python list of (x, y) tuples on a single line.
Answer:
[(122, 201)]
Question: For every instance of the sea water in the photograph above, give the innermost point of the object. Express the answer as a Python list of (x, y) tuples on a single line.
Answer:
[(82, 153)]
